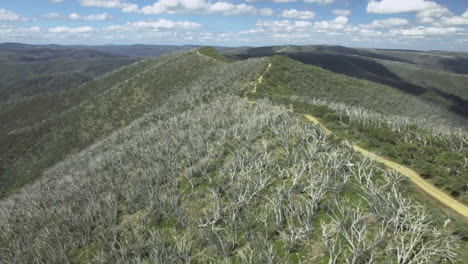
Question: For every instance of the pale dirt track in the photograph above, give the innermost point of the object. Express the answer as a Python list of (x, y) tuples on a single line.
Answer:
[(423, 184), (426, 186)]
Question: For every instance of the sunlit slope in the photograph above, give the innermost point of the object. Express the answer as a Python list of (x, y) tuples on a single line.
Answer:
[(290, 77), (372, 65), (112, 103)]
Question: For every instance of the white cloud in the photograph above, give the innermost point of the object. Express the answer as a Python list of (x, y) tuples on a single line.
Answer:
[(52, 16), (102, 3), (12, 33), (320, 2), (341, 12), (432, 15), (266, 12), (126, 7), (427, 11), (200, 7), (75, 16), (399, 6), (426, 31), (6, 15), (56, 1), (295, 27), (92, 17), (341, 20), (339, 23), (384, 23), (161, 24), (293, 13), (451, 20), (85, 29), (274, 1)]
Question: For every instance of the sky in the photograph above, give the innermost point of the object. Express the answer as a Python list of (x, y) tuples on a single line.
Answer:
[(403, 24)]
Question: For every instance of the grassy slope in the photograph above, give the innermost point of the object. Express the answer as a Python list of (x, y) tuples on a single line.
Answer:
[(366, 64), (203, 177), (289, 77), (125, 95)]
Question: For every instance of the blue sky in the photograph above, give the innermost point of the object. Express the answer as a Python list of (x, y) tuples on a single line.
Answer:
[(412, 24)]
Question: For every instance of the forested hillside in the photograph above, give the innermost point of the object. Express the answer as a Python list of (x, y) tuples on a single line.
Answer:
[(194, 158), (435, 77), (42, 71)]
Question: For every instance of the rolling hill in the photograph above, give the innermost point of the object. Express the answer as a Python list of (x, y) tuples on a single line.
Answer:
[(382, 66), (196, 158), (39, 71)]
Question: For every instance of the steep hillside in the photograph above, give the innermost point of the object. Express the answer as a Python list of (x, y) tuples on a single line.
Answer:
[(201, 175), (114, 101), (450, 84), (372, 65), (35, 71), (402, 127), (290, 77)]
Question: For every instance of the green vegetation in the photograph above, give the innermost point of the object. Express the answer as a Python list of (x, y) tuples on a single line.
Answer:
[(437, 152), (290, 77), (426, 75), (449, 83), (43, 71), (163, 161), (211, 52)]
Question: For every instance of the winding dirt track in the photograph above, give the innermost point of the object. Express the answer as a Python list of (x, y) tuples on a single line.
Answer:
[(423, 184), (426, 186)]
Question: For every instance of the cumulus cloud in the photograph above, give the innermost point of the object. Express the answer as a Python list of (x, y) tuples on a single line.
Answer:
[(125, 6), (161, 24), (399, 6), (427, 11), (384, 23), (12, 33), (341, 12), (426, 31), (320, 2), (75, 16), (432, 15), (450, 19), (293, 13), (6, 15), (201, 7), (274, 1), (101, 17), (52, 16), (85, 29), (295, 27)]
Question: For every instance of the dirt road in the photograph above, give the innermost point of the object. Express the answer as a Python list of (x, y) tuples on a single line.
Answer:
[(423, 184)]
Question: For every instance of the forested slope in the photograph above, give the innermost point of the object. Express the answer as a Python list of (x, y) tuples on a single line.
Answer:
[(173, 165)]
